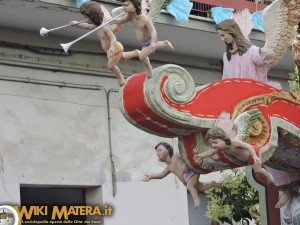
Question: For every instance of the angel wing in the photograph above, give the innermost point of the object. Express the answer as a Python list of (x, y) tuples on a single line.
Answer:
[(180, 9), (245, 121), (155, 8), (106, 13), (115, 12), (107, 16), (279, 18), (226, 124), (244, 20)]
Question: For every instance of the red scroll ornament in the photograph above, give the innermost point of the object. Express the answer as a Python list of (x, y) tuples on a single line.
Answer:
[(169, 105)]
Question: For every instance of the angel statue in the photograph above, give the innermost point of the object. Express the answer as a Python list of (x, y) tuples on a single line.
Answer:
[(95, 15), (242, 59), (144, 29), (228, 138)]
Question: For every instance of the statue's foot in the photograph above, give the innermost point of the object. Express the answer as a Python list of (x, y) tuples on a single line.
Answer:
[(121, 81), (284, 198), (196, 203), (149, 73), (169, 45), (264, 175)]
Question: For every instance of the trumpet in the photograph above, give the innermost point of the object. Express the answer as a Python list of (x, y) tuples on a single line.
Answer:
[(44, 32), (66, 46)]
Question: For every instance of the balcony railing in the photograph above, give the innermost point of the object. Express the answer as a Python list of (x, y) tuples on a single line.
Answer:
[(202, 7)]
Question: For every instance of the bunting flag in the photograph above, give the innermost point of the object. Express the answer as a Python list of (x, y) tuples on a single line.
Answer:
[(257, 21), (180, 9), (219, 14), (80, 2)]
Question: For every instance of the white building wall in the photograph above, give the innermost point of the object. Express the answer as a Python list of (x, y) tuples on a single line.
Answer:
[(157, 202)]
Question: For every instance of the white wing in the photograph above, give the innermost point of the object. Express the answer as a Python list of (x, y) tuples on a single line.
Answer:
[(244, 20), (180, 9), (145, 7), (278, 20), (245, 121), (115, 12), (155, 8), (106, 14), (226, 124)]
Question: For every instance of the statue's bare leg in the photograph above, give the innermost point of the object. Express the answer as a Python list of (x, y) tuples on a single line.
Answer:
[(205, 186), (266, 148), (130, 55), (192, 188), (146, 61), (164, 44), (112, 66), (263, 173), (284, 198)]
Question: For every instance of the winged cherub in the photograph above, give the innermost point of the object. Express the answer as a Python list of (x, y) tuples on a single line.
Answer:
[(229, 136)]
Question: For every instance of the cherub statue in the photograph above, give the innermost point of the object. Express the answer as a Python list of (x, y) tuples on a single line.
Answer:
[(230, 135), (144, 28), (95, 15), (175, 165)]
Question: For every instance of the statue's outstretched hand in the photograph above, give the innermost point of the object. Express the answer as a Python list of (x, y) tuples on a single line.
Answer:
[(257, 160), (147, 178), (198, 158)]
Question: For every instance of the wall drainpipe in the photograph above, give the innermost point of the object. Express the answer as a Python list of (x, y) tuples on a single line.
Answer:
[(112, 158), (78, 86)]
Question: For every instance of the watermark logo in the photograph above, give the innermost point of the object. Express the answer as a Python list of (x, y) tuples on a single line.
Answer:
[(8, 215), (14, 215)]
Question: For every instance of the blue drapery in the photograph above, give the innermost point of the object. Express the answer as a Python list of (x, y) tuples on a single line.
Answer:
[(180, 9), (257, 20), (80, 2), (219, 14)]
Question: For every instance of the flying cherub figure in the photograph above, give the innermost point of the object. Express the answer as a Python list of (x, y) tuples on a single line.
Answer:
[(175, 165), (95, 15), (144, 28), (229, 136)]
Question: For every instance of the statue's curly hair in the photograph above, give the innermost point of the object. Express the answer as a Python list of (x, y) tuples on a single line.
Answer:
[(167, 146), (217, 133), (136, 4), (231, 27), (93, 11)]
